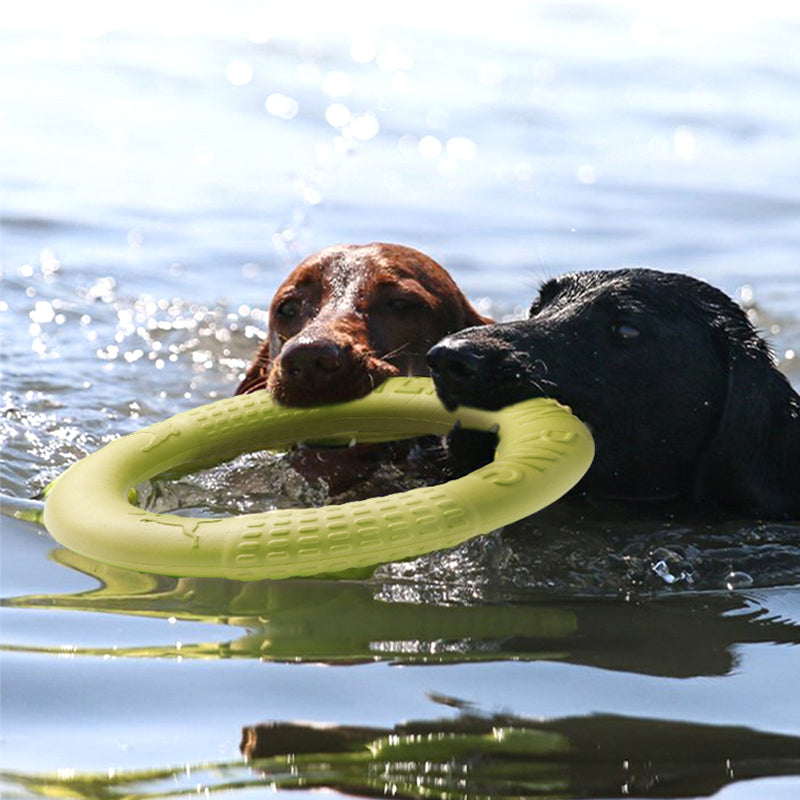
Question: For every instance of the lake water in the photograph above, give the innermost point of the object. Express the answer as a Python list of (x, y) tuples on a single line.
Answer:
[(163, 166)]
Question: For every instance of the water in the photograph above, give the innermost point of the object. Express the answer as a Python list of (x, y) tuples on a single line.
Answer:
[(163, 166)]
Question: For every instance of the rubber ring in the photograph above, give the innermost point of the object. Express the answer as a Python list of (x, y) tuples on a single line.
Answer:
[(543, 452)]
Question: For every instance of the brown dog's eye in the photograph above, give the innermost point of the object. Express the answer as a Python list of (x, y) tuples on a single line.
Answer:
[(625, 332), (401, 304), (289, 309)]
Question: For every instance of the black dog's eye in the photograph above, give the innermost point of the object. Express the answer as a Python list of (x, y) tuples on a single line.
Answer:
[(536, 306), (625, 332), (289, 309)]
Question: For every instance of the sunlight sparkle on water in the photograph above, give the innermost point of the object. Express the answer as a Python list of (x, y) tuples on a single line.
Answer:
[(43, 312), (279, 105), (430, 147), (337, 115), (362, 49), (239, 73), (461, 147), (364, 127)]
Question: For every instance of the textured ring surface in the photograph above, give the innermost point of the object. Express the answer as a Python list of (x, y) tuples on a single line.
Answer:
[(543, 452)]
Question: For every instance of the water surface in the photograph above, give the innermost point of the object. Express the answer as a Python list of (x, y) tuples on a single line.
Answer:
[(163, 167)]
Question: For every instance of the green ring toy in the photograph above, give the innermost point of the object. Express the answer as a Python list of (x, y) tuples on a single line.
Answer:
[(542, 453)]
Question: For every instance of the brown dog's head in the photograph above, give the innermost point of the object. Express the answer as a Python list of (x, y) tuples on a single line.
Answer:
[(351, 316)]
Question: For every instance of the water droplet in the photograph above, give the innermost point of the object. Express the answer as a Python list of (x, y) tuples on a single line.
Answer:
[(738, 580), (662, 570), (312, 196), (746, 295)]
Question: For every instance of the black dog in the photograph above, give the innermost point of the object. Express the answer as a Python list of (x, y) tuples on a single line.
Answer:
[(681, 394)]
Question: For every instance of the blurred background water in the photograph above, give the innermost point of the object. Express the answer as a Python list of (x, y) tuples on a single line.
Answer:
[(163, 165)]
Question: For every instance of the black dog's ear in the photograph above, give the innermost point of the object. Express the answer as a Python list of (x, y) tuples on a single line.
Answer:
[(752, 462), (257, 373)]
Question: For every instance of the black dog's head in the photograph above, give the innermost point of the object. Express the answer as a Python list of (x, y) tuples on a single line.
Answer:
[(680, 393)]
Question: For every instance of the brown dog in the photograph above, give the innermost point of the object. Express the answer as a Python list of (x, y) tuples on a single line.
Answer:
[(351, 316)]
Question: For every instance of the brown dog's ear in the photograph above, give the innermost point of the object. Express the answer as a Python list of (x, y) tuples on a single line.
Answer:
[(752, 462), (257, 373), (473, 318)]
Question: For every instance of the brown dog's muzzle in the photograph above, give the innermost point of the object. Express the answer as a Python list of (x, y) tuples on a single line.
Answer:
[(321, 370)]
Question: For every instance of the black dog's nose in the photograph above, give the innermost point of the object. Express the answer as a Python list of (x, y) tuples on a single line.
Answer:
[(455, 363)]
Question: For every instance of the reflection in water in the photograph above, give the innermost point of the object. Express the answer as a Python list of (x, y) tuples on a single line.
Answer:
[(502, 755), (682, 635), (469, 756)]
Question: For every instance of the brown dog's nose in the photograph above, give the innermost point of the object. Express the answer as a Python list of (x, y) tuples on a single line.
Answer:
[(313, 362)]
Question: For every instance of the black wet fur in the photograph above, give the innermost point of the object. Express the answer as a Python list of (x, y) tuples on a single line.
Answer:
[(681, 393)]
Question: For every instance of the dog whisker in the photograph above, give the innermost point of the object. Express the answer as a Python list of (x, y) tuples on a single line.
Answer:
[(396, 352)]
